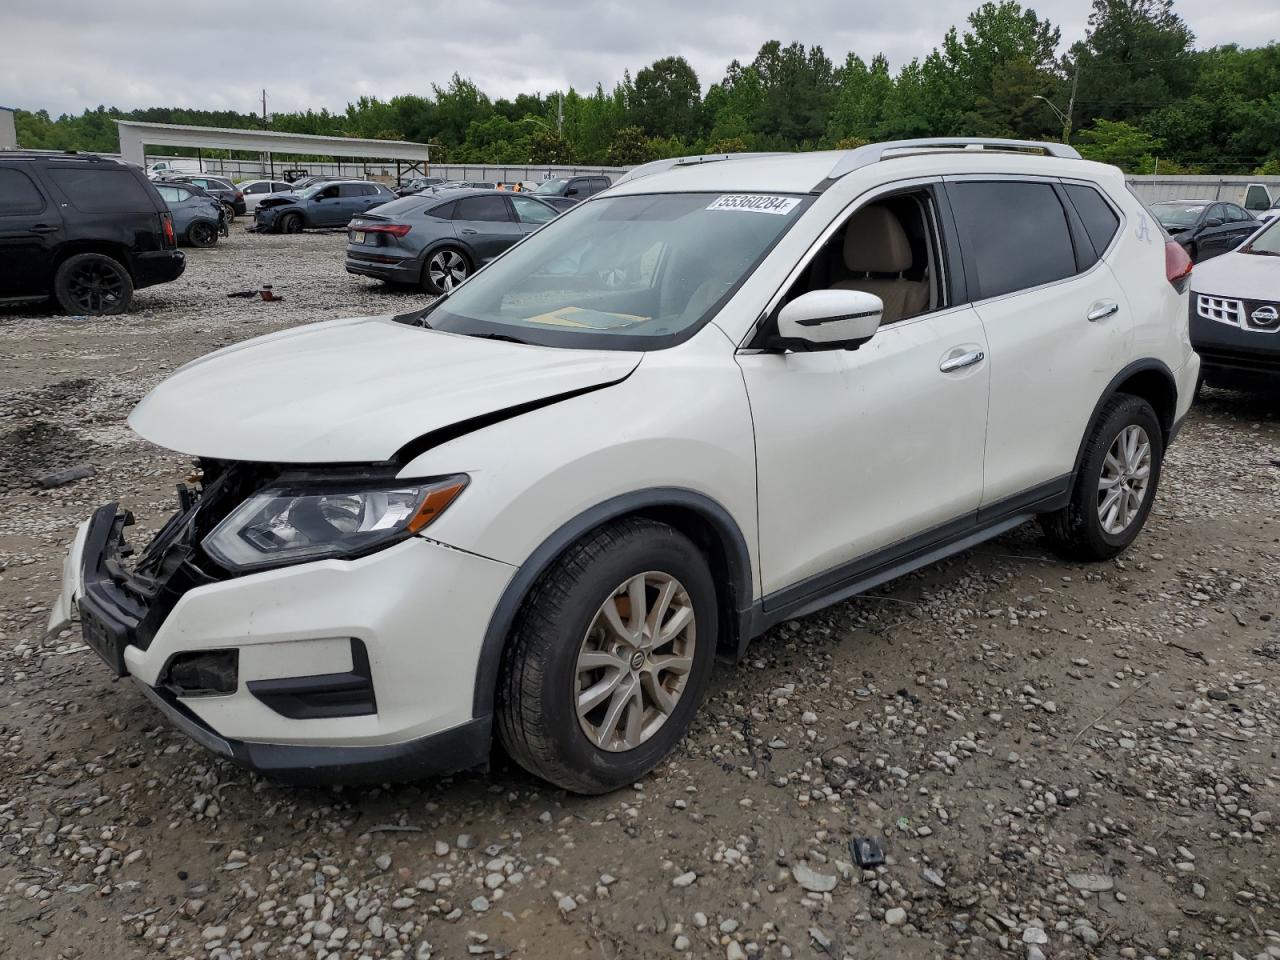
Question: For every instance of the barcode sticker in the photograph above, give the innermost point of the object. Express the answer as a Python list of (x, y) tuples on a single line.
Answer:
[(755, 203)]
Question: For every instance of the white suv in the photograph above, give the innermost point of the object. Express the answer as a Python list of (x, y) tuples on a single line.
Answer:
[(725, 392)]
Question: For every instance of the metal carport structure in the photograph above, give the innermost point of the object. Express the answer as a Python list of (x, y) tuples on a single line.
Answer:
[(136, 135)]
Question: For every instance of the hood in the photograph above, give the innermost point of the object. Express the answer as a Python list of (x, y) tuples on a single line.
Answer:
[(277, 199), (1249, 276), (355, 391)]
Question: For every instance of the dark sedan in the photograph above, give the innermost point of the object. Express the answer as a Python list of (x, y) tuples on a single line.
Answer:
[(437, 240), (1205, 228)]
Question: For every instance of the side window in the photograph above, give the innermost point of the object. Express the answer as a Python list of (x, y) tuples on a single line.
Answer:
[(531, 211), (600, 184), (888, 247), (351, 189), (1100, 221), (182, 194), (370, 189), (257, 188), (328, 193), (444, 211), (102, 189), (1014, 235), (482, 208), (1236, 214), (1256, 197), (1216, 212), (18, 194), (280, 188)]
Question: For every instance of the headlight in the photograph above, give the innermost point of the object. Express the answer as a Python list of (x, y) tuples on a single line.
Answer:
[(283, 525)]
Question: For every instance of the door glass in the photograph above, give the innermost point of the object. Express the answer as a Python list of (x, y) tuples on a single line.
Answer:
[(18, 195), (1014, 234), (482, 208), (1100, 221), (100, 190), (531, 211), (351, 190), (1256, 197)]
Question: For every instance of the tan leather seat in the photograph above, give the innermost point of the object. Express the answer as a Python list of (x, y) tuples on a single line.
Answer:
[(874, 242)]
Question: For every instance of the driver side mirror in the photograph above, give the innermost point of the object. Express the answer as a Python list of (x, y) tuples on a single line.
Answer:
[(829, 320), (1213, 222)]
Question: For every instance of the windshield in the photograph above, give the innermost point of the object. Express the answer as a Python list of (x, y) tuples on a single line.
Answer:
[(550, 186), (1178, 214), (623, 273), (1266, 242)]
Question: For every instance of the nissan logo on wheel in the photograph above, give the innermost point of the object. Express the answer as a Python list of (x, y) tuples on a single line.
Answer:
[(1265, 317)]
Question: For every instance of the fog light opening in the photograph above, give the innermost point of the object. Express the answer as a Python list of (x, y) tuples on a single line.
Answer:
[(202, 673)]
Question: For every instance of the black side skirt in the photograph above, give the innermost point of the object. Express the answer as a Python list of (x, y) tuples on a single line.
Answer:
[(870, 571)]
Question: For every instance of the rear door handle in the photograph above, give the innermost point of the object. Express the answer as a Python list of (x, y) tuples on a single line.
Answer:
[(469, 231), (1103, 309), (952, 364), (45, 228)]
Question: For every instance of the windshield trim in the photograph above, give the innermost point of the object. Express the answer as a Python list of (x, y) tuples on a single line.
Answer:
[(595, 340)]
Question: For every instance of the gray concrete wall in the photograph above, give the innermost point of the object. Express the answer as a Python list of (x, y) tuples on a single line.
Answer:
[(1235, 189), (8, 132)]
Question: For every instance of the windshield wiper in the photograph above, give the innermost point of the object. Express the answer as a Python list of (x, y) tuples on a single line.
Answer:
[(505, 337)]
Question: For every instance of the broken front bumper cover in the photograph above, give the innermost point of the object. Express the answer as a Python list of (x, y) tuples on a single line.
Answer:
[(120, 625)]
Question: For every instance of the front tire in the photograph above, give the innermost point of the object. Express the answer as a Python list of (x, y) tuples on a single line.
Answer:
[(1115, 485), (291, 223), (609, 658), (92, 284)]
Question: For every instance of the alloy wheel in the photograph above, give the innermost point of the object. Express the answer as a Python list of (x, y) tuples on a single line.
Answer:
[(447, 269), (634, 662), (1125, 479), (96, 287)]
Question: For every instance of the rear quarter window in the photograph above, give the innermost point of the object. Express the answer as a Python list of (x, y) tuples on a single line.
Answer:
[(103, 190), (1014, 234), (18, 194), (1100, 221)]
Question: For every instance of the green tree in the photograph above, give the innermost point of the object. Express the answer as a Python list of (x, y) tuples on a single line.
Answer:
[(629, 147), (1121, 144), (667, 99)]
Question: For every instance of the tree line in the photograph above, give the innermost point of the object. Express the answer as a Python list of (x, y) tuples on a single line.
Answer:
[(1134, 92)]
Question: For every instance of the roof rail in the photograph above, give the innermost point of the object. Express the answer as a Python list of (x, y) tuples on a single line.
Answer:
[(659, 166), (875, 152)]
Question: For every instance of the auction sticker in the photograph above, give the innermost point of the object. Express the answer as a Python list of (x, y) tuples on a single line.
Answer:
[(755, 203)]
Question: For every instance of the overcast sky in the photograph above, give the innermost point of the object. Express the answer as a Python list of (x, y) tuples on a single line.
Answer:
[(65, 55)]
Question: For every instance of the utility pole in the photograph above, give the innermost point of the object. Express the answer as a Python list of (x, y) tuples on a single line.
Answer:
[(560, 116), (1071, 105), (264, 107)]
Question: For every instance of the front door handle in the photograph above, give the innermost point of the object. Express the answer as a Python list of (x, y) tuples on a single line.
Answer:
[(952, 364), (469, 231), (44, 228), (1103, 309)]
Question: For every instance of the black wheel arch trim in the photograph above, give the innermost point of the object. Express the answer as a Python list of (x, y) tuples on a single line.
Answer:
[(500, 623), (1138, 366)]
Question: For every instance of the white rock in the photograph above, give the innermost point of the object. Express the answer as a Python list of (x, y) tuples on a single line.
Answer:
[(895, 916)]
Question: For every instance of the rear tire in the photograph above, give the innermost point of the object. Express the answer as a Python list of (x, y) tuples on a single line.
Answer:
[(202, 234), (580, 704), (1115, 485), (291, 223), (445, 269), (92, 284)]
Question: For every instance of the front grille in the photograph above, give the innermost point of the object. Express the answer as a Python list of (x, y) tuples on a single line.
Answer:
[(1258, 316), (1221, 309)]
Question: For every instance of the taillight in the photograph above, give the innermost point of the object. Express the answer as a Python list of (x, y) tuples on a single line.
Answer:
[(1177, 265), (166, 224), (395, 229)]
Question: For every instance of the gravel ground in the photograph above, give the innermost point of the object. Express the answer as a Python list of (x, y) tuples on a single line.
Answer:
[(1060, 760)]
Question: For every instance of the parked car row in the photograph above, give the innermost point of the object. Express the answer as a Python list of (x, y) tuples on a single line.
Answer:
[(713, 398), (1205, 228)]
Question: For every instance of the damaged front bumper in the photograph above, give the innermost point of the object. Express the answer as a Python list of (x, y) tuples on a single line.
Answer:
[(336, 672)]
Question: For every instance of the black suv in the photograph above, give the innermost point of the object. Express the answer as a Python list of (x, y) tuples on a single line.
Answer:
[(85, 229), (565, 192)]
